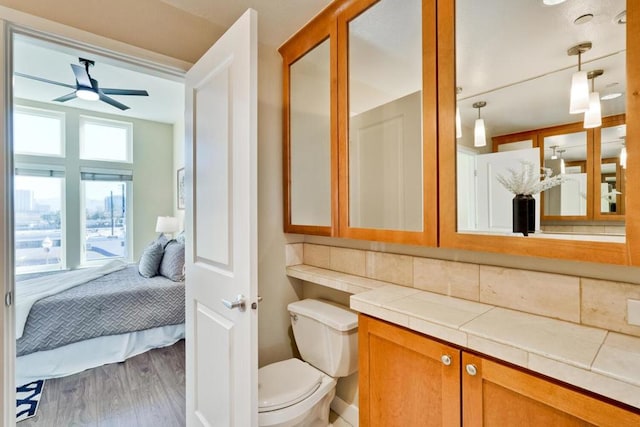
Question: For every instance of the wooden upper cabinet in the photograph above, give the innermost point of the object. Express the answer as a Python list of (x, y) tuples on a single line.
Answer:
[(360, 156), (524, 77), (310, 149)]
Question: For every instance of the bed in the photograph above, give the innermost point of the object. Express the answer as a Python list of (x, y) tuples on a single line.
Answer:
[(79, 325)]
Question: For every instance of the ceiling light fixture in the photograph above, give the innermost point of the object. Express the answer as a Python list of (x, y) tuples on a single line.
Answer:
[(623, 154), (593, 116), (458, 119), (552, 2), (479, 133), (579, 83), (610, 96), (553, 152), (87, 94)]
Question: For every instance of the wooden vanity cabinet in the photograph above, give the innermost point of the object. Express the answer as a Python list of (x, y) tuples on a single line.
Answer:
[(408, 379)]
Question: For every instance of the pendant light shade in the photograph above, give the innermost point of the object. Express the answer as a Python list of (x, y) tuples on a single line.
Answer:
[(479, 132), (623, 156), (458, 120), (579, 93), (579, 100), (593, 116)]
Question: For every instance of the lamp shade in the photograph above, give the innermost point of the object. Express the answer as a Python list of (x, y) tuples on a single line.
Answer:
[(167, 224), (623, 157), (579, 93), (479, 135), (458, 124), (593, 116)]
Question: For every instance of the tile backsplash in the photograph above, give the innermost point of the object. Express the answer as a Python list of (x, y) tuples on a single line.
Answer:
[(591, 302)]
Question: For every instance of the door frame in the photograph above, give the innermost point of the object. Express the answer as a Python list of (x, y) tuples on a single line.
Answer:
[(15, 22)]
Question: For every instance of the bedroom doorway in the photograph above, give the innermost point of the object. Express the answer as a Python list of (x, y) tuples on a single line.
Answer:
[(90, 180)]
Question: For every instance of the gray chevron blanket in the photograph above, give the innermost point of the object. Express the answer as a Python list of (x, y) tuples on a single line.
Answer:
[(120, 302)]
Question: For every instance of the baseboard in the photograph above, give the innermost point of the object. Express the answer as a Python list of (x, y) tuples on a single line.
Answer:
[(348, 412)]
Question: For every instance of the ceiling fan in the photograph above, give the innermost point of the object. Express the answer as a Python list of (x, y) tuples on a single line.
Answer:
[(87, 88)]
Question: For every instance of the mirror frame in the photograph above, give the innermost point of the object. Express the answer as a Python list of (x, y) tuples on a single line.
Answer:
[(428, 235), (597, 158), (627, 253), (321, 28)]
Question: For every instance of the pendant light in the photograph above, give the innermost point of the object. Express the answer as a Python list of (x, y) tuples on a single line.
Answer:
[(554, 156), (479, 133), (623, 155), (593, 116), (579, 102), (458, 120)]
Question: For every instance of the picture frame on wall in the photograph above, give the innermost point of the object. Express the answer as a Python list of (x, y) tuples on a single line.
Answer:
[(180, 182)]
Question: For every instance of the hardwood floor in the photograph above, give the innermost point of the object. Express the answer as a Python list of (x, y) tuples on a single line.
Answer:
[(146, 390)]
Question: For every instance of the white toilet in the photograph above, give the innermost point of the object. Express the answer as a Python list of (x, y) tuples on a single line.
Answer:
[(296, 393)]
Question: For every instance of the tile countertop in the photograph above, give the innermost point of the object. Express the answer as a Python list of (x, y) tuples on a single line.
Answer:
[(594, 359)]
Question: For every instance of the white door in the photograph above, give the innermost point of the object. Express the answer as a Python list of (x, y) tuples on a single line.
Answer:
[(221, 224)]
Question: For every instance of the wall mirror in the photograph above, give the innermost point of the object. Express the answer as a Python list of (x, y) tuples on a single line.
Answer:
[(382, 142), (310, 131), (513, 73)]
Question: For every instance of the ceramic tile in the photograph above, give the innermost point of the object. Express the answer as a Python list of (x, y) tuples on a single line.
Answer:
[(317, 255), (385, 294), (592, 381), (546, 294), (456, 279), (351, 261), (451, 335), (604, 304), (495, 349), (588, 229), (440, 309), (294, 254), (614, 229), (563, 341), (392, 268), (379, 312), (619, 357), (363, 282)]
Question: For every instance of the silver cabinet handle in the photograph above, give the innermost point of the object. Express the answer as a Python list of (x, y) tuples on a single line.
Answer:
[(446, 359), (471, 369), (239, 303)]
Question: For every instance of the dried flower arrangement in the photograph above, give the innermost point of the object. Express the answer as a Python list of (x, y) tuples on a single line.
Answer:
[(527, 181)]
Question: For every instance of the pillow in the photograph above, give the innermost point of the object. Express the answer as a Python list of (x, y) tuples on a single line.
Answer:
[(162, 239), (172, 264), (150, 259), (180, 237)]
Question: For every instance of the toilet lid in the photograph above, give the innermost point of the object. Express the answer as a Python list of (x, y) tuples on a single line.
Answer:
[(286, 383)]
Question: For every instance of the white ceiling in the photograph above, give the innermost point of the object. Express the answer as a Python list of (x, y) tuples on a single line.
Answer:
[(38, 58)]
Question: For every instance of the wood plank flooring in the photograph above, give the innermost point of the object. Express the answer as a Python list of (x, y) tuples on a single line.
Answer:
[(146, 390)]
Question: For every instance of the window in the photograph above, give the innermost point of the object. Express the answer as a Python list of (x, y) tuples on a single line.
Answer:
[(105, 196), (106, 140), (39, 219), (38, 132)]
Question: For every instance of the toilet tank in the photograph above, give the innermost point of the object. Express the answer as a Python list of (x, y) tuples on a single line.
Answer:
[(326, 334)]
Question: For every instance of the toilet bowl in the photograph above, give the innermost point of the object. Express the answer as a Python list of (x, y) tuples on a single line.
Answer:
[(294, 392)]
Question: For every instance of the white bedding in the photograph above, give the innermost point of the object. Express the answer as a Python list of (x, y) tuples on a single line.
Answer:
[(28, 292), (77, 357)]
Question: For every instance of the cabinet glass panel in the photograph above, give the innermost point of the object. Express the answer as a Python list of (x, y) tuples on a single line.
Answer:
[(566, 154), (310, 136), (385, 117), (613, 164)]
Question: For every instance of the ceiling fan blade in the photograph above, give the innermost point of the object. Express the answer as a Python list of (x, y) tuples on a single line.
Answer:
[(125, 92), (113, 102), (81, 75), (40, 79), (66, 97)]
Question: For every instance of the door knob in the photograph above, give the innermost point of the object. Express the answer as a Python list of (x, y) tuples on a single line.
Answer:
[(239, 303)]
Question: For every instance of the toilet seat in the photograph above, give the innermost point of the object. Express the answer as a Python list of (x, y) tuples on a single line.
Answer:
[(286, 383)]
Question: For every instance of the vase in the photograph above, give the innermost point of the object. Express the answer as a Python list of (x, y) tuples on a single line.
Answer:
[(524, 214)]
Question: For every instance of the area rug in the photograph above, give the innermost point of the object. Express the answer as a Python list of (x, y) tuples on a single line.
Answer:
[(28, 399)]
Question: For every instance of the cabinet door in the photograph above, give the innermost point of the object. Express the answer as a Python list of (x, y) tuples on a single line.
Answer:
[(405, 378), (496, 395)]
